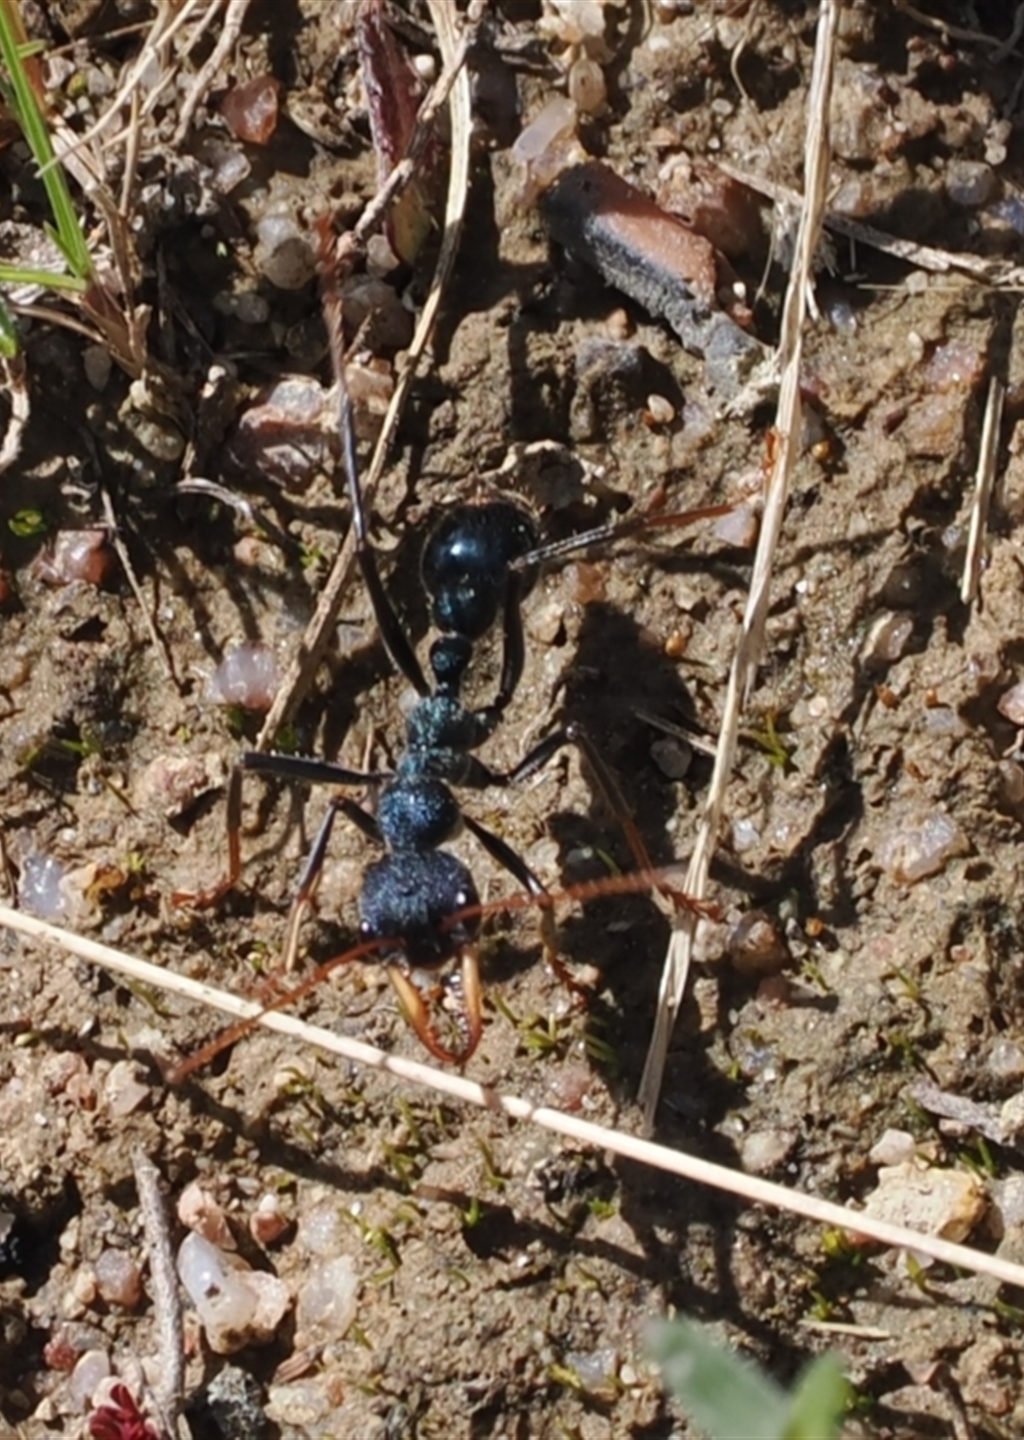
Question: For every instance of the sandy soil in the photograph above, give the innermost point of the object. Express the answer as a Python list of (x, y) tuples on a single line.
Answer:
[(874, 837)]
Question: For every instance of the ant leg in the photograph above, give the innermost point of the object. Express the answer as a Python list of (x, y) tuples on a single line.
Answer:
[(396, 642), (284, 767), (313, 869), (417, 1012), (204, 899), (617, 530), (517, 867), (574, 734), (513, 653)]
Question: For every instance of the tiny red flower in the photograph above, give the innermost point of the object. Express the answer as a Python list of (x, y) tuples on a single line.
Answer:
[(120, 1418)]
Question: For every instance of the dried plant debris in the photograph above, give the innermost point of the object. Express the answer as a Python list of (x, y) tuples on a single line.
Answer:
[(853, 1018), (656, 258)]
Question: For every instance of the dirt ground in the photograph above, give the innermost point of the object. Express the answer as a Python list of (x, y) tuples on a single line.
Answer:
[(858, 1004)]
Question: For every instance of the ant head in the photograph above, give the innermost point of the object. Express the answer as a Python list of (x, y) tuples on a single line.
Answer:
[(450, 656), (467, 607)]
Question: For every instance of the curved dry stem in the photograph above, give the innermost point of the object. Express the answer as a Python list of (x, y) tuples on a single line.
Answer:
[(458, 1087)]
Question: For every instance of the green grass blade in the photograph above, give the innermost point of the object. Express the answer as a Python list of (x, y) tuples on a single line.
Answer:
[(10, 340), (30, 118), (52, 279)]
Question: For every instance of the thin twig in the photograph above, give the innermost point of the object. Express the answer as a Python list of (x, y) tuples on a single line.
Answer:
[(786, 437), (984, 483), (585, 1132), (956, 32), (1000, 274), (318, 632), (13, 373), (165, 26), (233, 22), (1009, 45), (170, 1390)]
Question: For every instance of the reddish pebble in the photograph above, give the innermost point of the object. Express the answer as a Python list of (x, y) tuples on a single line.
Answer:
[(251, 110), (77, 555)]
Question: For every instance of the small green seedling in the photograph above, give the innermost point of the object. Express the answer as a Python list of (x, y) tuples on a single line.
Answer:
[(729, 1398)]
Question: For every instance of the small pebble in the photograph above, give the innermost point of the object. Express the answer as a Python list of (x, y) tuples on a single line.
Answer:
[(251, 109), (236, 1306), (587, 88), (124, 1091), (326, 1304), (660, 410), (756, 945), (764, 1151), (83, 1286), (235, 1402), (672, 757), (268, 1222), (77, 555), (247, 676), (97, 362), (284, 255), (92, 1367), (947, 1203), (1010, 783), (596, 1370), (893, 1147), (738, 527), (887, 638), (969, 183), (39, 886), (323, 1231), (118, 1279), (172, 783), (920, 846), (199, 1211), (1006, 1060), (1011, 704)]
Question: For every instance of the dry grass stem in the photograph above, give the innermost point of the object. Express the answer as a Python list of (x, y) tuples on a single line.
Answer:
[(984, 483), (170, 1394), (749, 647), (166, 24), (1000, 274), (13, 373), (571, 1127), (226, 41), (318, 632)]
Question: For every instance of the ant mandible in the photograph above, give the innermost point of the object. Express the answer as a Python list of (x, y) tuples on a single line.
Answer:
[(419, 907)]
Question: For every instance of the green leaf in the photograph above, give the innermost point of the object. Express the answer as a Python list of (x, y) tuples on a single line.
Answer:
[(817, 1404), (724, 1396), (27, 523), (10, 340)]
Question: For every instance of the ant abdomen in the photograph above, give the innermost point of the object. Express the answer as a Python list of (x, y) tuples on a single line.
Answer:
[(465, 564)]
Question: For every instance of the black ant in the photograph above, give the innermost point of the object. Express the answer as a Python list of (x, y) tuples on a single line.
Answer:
[(419, 905)]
